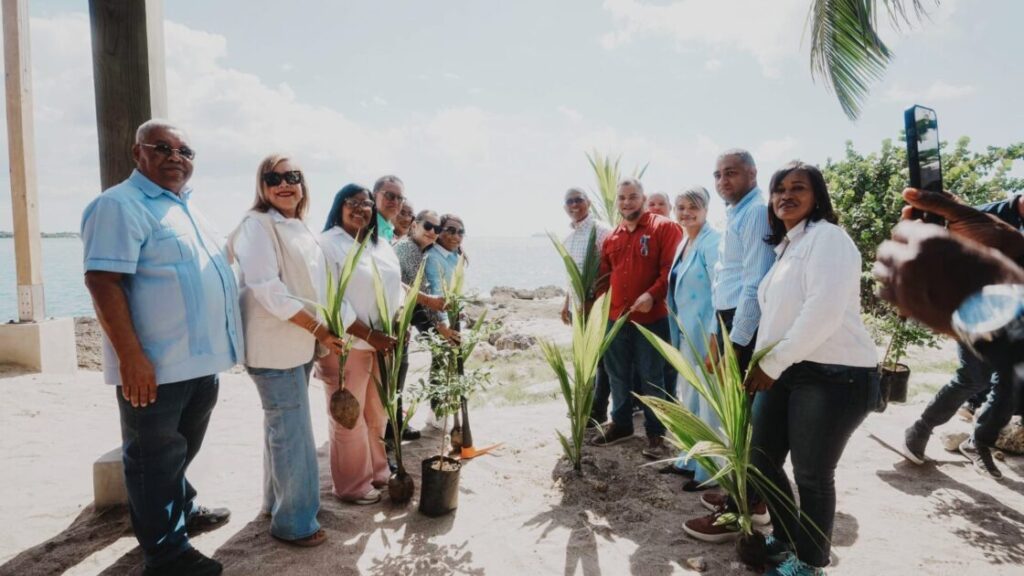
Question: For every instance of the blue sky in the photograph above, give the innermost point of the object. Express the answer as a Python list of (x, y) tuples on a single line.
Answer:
[(486, 108)]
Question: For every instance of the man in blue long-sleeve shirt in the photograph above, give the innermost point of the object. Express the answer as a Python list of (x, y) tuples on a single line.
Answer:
[(744, 257)]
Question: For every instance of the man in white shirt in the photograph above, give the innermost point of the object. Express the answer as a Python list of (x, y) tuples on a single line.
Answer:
[(583, 223)]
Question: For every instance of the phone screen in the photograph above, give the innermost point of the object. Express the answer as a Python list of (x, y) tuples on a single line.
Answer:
[(927, 125), (924, 164)]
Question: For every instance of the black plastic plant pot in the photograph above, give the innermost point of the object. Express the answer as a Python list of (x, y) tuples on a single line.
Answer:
[(894, 383), (440, 492)]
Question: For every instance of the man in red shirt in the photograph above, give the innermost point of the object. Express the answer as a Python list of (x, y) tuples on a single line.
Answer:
[(635, 261)]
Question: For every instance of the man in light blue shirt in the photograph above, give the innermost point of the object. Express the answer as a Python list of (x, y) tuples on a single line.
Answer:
[(166, 298), (744, 257)]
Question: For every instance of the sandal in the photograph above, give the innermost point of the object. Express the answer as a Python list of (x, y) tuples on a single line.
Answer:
[(315, 539)]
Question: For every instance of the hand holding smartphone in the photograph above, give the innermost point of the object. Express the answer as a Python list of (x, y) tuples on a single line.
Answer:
[(924, 163)]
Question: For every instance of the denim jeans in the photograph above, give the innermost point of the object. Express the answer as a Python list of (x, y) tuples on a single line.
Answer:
[(628, 351), (743, 353), (602, 394), (809, 414), (291, 478), (158, 442), (971, 377)]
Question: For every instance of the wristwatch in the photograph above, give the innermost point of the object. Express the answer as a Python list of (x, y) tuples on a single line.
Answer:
[(991, 323)]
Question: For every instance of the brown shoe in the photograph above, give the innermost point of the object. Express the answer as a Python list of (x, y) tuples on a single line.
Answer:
[(610, 434), (656, 449), (708, 529), (716, 502)]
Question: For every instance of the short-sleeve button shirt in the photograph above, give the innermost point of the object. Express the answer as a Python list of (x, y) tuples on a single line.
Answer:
[(181, 291)]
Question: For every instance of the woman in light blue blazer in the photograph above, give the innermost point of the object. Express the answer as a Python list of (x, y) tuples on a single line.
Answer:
[(689, 300)]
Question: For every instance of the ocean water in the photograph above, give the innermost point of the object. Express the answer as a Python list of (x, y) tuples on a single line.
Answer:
[(519, 262)]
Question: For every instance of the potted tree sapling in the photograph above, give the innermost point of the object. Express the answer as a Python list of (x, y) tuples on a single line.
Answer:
[(396, 325), (895, 375), (448, 387)]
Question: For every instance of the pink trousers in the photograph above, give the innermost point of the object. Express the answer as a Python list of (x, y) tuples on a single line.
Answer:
[(358, 460)]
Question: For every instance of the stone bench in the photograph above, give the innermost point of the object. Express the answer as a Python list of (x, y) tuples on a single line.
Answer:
[(108, 481)]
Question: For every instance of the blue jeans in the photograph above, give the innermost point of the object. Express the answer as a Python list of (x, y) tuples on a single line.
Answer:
[(971, 377), (291, 478), (628, 351), (158, 442), (808, 414)]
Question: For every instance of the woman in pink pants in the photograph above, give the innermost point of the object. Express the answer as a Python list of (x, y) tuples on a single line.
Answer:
[(359, 466)]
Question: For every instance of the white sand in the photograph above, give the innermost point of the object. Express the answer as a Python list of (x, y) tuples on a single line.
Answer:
[(521, 512)]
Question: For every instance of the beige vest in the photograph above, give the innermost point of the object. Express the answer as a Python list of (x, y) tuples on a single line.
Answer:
[(269, 341)]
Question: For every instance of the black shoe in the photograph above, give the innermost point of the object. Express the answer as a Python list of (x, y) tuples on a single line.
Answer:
[(671, 469), (611, 434), (203, 519), (188, 563), (411, 433), (914, 443), (981, 457)]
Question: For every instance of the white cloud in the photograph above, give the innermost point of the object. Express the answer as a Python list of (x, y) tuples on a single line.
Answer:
[(939, 91), (767, 31), (570, 113)]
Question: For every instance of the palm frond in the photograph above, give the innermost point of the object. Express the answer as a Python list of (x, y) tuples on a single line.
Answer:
[(846, 50)]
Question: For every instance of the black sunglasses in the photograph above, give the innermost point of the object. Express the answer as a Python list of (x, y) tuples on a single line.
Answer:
[(455, 231), (575, 200), (275, 178), (431, 227), (166, 150)]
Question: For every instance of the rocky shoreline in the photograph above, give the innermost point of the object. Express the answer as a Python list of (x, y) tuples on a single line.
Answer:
[(515, 309)]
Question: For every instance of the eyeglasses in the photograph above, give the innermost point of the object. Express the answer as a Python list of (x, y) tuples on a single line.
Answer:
[(392, 197), (166, 151), (454, 231), (575, 200), (357, 203), (431, 227), (275, 178)]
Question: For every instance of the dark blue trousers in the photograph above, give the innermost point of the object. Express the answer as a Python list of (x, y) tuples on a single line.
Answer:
[(630, 351), (158, 443)]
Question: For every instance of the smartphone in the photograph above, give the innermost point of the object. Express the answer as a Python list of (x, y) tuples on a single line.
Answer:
[(922, 128)]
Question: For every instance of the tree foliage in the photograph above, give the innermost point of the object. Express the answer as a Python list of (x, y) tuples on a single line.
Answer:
[(865, 191)]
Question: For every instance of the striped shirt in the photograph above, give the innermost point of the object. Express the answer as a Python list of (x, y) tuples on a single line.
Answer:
[(743, 260), (576, 243)]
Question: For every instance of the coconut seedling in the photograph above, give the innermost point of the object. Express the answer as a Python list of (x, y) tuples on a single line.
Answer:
[(590, 339), (344, 407), (396, 325), (725, 453)]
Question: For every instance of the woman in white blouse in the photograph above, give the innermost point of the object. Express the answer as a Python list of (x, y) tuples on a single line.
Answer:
[(359, 465), (816, 385), (281, 261)]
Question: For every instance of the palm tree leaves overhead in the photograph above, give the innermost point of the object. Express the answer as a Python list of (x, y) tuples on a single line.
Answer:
[(846, 50), (606, 171)]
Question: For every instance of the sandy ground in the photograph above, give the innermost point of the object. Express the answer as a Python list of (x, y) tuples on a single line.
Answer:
[(521, 510)]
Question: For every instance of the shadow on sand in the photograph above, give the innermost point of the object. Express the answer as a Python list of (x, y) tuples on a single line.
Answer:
[(90, 532), (996, 529)]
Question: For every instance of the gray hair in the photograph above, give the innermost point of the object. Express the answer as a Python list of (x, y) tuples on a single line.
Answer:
[(661, 195), (142, 132), (740, 153), (389, 179), (577, 190), (635, 183), (696, 195)]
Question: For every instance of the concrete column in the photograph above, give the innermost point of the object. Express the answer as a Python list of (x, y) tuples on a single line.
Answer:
[(129, 77)]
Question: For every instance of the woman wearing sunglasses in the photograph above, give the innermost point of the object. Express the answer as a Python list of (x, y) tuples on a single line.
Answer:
[(441, 260), (280, 262), (403, 222), (359, 465), (410, 250)]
